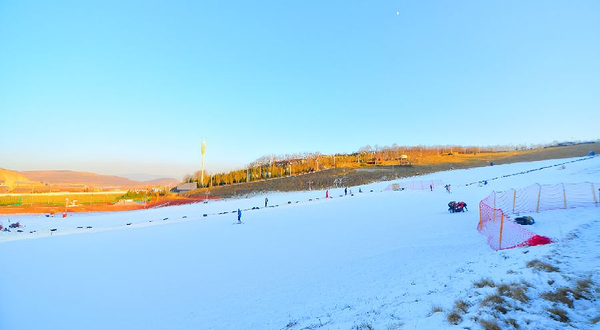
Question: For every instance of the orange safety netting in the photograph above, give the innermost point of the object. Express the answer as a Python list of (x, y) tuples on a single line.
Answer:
[(503, 233)]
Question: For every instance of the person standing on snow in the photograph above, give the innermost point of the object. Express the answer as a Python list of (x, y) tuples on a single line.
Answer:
[(345, 191), (431, 187), (326, 193), (239, 216), (266, 201)]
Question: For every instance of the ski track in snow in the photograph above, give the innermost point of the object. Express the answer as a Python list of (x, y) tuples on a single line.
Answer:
[(382, 258)]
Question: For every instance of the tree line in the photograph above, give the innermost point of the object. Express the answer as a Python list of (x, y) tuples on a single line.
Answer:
[(278, 166)]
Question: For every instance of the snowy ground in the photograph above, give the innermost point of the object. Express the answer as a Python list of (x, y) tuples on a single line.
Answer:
[(381, 259)]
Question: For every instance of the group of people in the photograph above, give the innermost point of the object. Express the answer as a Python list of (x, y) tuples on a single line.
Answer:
[(454, 207), (239, 211), (346, 191), (14, 225)]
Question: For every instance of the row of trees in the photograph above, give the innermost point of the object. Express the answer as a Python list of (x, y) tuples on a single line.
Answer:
[(277, 166)]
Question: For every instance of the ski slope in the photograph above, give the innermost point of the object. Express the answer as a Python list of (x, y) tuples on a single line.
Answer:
[(380, 258)]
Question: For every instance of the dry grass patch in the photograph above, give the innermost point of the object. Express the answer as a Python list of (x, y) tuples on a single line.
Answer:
[(484, 282), (363, 326), (583, 289), (558, 314), (454, 317), (493, 299), (561, 295), (500, 309), (497, 303), (542, 266), (512, 322), (461, 306), (515, 291), (490, 325), (436, 309)]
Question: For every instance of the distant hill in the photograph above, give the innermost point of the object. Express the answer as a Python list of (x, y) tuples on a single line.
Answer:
[(66, 178), (8, 177), (162, 182)]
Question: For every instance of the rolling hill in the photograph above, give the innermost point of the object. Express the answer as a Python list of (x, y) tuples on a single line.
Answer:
[(65, 178)]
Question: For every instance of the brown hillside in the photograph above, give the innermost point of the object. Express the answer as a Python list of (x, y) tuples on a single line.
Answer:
[(8, 177), (66, 178), (359, 176)]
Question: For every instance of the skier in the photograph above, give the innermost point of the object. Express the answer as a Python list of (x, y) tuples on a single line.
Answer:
[(431, 187), (266, 201), (326, 193), (447, 188), (239, 216), (359, 190), (345, 191)]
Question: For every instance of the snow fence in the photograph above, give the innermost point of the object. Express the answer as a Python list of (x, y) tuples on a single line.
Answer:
[(415, 185), (503, 233)]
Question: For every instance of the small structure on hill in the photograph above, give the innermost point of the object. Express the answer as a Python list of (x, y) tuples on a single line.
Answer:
[(185, 187)]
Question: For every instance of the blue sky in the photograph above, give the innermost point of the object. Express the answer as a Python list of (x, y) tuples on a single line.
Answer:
[(133, 86)]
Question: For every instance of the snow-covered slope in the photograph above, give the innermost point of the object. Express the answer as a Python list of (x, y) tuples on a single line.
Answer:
[(380, 258)]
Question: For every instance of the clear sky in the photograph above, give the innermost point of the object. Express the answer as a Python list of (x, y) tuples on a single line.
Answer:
[(117, 87)]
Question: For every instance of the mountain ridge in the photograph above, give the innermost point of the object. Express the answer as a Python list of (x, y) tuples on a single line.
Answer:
[(68, 177)]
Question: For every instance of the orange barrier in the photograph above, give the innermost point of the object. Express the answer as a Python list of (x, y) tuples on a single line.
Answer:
[(503, 233)]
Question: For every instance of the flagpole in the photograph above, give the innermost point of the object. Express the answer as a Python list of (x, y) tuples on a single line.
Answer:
[(202, 175)]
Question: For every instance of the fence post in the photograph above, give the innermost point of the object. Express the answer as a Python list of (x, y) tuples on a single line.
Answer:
[(480, 218), (537, 209), (494, 208), (594, 194), (501, 227), (514, 199), (564, 196)]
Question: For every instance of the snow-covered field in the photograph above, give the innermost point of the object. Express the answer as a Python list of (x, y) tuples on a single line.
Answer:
[(380, 259)]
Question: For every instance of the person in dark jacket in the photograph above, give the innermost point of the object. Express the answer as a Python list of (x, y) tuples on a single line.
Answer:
[(266, 201), (239, 216)]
